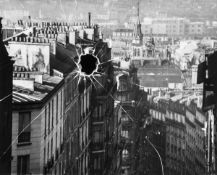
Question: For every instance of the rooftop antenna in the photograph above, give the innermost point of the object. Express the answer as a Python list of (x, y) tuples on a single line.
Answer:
[(138, 3)]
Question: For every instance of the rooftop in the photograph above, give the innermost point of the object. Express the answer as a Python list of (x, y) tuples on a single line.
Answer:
[(63, 60), (32, 85), (25, 95), (159, 76)]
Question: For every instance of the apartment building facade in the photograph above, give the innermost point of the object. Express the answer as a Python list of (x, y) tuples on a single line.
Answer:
[(185, 151)]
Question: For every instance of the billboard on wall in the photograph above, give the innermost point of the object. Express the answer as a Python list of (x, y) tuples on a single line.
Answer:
[(30, 55)]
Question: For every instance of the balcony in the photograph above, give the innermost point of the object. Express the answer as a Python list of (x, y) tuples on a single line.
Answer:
[(97, 146), (126, 123), (24, 139), (97, 120)]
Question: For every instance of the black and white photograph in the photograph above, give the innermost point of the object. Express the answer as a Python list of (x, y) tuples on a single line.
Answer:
[(108, 87)]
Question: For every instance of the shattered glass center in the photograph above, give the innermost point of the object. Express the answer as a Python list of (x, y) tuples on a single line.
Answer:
[(88, 64)]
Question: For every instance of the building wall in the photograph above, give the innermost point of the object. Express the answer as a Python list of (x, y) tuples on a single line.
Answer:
[(6, 68), (170, 26), (174, 27), (147, 29), (174, 140), (76, 127), (52, 132), (159, 28), (101, 130), (196, 28), (128, 113), (190, 145), (34, 148), (200, 122), (185, 138), (102, 118), (46, 133), (84, 129), (210, 140), (122, 35)]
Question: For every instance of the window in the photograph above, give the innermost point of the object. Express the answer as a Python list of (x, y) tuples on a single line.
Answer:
[(98, 113), (56, 142), (44, 155), (88, 100), (60, 134), (134, 52), (138, 52), (23, 165), (51, 147), (24, 127), (97, 163), (52, 114), (124, 117), (143, 53), (45, 122), (82, 105), (97, 135), (48, 118), (48, 155), (61, 103), (125, 134), (125, 154), (57, 112), (123, 86), (85, 101)]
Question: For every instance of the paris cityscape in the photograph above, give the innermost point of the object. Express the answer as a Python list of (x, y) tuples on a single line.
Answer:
[(108, 87)]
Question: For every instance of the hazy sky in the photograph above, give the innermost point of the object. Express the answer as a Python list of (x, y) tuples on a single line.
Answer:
[(110, 9)]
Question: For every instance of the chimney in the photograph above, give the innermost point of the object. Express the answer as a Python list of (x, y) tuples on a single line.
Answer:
[(61, 37), (90, 33), (30, 23), (89, 19), (34, 31), (72, 37), (100, 35)]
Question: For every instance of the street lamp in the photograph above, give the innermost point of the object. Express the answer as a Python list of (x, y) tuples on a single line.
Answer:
[(162, 167), (152, 145)]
